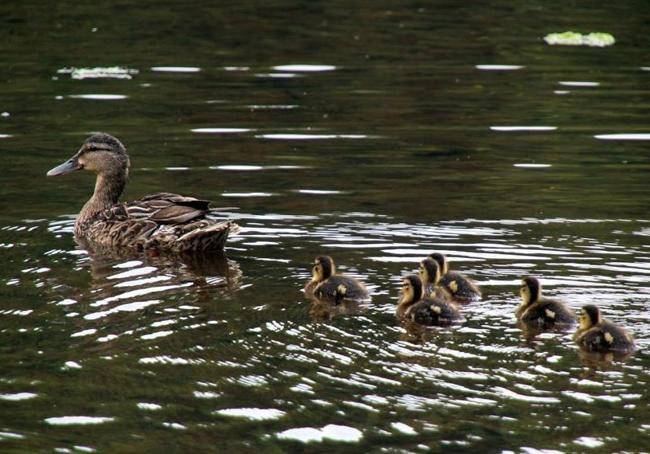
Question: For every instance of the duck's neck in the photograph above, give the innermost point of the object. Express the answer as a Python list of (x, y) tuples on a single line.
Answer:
[(108, 189)]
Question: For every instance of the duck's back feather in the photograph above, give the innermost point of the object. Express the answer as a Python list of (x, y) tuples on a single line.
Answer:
[(160, 221)]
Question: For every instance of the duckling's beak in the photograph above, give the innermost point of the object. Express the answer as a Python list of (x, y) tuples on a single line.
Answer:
[(70, 165)]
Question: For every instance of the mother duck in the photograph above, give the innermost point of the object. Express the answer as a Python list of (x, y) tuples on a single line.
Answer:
[(163, 221)]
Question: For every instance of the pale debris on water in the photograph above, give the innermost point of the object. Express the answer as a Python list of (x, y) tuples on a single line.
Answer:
[(112, 72), (569, 38)]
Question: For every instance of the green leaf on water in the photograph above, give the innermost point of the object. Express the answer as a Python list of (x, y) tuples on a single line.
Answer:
[(597, 39)]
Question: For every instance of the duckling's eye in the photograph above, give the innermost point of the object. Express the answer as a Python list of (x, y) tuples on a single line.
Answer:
[(91, 148)]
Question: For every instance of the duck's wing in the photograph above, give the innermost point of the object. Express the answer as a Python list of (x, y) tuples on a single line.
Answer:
[(167, 208), (163, 221)]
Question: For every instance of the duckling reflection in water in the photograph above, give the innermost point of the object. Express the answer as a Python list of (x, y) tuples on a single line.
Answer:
[(325, 284), (429, 311), (537, 312), (460, 287), (161, 221), (326, 309), (596, 334)]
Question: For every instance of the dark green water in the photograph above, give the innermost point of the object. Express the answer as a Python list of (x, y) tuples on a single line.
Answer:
[(386, 143)]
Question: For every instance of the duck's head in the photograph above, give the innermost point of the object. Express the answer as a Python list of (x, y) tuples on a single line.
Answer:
[(590, 316), (441, 260), (411, 291), (530, 290), (100, 153), (323, 268), (429, 271)]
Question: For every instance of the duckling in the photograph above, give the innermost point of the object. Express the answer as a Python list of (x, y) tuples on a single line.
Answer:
[(326, 284), (596, 334), (431, 311), (162, 221), (429, 272), (461, 288), (537, 311)]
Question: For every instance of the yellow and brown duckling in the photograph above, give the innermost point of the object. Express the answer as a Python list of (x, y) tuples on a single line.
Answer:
[(537, 311), (428, 311), (429, 272), (595, 334), (162, 221), (460, 287), (326, 284)]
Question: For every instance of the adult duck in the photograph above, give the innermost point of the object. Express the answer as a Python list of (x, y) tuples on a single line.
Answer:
[(163, 221)]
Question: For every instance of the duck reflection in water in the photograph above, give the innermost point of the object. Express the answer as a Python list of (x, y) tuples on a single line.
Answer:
[(202, 272)]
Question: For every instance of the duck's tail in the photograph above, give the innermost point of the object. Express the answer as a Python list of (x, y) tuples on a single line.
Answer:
[(206, 238)]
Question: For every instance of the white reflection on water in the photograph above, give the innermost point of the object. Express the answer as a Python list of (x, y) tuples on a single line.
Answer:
[(221, 130), (499, 67), (304, 68), (575, 83), (77, 420), (628, 136), (98, 97), (532, 166), (522, 128), (311, 136), (176, 69), (332, 432), (252, 414)]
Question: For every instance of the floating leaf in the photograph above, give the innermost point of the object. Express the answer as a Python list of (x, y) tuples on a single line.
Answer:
[(597, 39)]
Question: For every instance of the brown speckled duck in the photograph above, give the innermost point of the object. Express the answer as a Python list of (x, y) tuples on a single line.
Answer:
[(163, 221)]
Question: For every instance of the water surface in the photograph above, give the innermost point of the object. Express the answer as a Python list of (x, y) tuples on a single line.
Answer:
[(375, 133)]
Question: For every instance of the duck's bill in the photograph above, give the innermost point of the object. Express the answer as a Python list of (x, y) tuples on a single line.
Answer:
[(69, 166)]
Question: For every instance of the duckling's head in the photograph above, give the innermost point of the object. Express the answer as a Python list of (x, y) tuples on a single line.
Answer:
[(429, 271), (323, 268), (411, 291), (590, 316), (530, 290), (441, 260), (100, 153)]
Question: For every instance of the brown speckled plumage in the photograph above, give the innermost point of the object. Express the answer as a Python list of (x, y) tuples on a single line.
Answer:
[(162, 221)]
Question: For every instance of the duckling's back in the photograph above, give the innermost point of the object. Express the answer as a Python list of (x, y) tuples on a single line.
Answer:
[(606, 337), (548, 313), (340, 287), (434, 312), (460, 287)]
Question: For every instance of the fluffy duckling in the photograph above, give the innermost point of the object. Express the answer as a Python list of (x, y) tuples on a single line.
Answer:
[(326, 284), (537, 311), (429, 272), (460, 287), (431, 311), (595, 334)]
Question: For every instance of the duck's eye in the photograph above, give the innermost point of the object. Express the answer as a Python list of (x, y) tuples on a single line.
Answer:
[(91, 148)]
